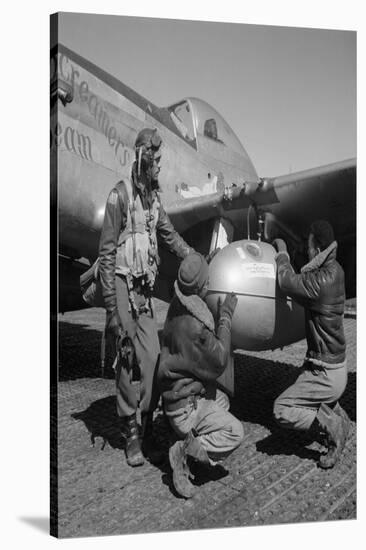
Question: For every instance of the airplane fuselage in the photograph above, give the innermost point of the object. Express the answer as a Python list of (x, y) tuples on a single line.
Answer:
[(208, 187), (92, 138)]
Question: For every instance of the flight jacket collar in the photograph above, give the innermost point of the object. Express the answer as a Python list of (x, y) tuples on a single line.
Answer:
[(321, 258)]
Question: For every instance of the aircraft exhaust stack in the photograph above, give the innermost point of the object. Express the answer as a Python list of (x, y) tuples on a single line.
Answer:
[(264, 318)]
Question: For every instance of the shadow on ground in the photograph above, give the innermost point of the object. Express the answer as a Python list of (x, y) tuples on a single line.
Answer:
[(258, 382), (101, 421), (80, 351), (281, 442)]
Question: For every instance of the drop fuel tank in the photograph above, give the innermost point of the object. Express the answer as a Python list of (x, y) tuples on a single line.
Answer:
[(264, 317)]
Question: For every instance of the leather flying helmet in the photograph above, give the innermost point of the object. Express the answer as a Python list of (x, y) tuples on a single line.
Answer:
[(147, 147)]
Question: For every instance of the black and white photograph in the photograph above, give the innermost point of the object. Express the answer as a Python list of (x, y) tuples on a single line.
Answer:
[(203, 255)]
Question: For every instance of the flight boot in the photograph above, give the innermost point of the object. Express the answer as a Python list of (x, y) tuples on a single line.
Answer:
[(180, 469), (190, 448), (336, 427), (150, 447), (130, 432)]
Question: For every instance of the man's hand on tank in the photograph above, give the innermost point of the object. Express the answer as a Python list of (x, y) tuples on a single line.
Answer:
[(279, 245), (229, 305)]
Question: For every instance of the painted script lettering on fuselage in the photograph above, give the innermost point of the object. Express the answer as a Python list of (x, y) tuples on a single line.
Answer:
[(62, 68), (74, 141)]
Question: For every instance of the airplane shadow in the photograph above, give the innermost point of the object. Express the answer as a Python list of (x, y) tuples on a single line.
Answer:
[(79, 353)]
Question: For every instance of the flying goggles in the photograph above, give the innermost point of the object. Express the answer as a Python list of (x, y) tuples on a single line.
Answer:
[(148, 143)]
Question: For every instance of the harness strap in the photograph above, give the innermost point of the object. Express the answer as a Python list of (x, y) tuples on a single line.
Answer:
[(102, 347)]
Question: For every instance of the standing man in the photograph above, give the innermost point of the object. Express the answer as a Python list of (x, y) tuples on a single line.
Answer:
[(134, 218), (194, 354), (311, 403)]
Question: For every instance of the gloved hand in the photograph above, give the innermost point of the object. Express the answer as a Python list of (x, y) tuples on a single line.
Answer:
[(279, 245), (212, 254), (126, 349), (227, 308), (114, 323)]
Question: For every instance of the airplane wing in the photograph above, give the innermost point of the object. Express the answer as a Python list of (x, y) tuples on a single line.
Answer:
[(205, 188), (325, 192), (295, 199), (289, 204)]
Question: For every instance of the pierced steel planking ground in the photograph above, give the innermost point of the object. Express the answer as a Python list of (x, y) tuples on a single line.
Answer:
[(272, 477)]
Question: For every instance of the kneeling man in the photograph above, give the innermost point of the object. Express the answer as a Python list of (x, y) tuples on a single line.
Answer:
[(194, 354), (311, 403)]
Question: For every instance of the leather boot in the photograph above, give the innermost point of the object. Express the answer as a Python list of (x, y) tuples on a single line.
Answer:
[(315, 433), (149, 444), (336, 428), (133, 450), (181, 473)]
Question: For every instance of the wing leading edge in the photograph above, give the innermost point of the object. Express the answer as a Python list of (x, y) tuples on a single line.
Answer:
[(294, 200)]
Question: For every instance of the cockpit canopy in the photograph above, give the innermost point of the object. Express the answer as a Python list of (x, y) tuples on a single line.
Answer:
[(196, 120)]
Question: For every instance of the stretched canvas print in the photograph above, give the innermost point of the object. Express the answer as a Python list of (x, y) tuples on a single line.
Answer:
[(203, 196)]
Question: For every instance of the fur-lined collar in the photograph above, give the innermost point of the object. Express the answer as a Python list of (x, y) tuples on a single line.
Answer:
[(197, 307), (319, 259)]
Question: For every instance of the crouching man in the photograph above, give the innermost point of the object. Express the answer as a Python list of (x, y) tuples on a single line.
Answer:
[(194, 354), (311, 403)]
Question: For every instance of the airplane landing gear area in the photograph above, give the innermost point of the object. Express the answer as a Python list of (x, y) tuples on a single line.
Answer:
[(272, 478)]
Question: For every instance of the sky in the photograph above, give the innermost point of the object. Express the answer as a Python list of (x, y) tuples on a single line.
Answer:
[(288, 93)]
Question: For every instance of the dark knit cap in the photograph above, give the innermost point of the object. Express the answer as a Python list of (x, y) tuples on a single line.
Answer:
[(323, 233), (192, 274)]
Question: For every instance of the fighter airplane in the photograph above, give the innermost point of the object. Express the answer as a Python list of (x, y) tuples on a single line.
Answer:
[(209, 185)]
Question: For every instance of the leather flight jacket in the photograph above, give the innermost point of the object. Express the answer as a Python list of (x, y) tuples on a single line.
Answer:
[(319, 288), (115, 222), (192, 357)]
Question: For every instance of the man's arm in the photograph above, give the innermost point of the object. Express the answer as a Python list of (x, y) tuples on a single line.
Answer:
[(302, 286), (114, 220), (216, 353), (170, 237), (215, 350)]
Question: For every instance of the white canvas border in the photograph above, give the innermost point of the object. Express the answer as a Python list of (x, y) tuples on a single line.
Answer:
[(25, 264)]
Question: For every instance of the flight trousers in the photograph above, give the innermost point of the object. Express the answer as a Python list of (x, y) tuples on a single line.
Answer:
[(218, 431), (297, 407), (144, 335)]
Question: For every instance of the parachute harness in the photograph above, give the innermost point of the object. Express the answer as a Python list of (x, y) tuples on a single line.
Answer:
[(148, 144)]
